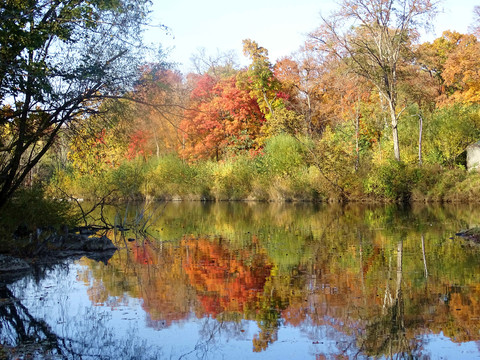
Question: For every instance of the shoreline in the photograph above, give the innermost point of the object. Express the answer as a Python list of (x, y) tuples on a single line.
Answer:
[(55, 249), (368, 200)]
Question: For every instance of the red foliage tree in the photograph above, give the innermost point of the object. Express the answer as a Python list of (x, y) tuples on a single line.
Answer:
[(223, 281), (138, 145), (221, 116)]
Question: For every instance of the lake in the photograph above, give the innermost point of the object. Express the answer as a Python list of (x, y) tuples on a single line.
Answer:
[(195, 280)]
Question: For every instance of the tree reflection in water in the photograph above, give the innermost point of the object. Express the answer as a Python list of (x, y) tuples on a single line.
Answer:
[(387, 334), (83, 336), (17, 326), (347, 281)]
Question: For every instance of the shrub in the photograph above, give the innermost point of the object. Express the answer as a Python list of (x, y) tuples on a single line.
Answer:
[(293, 187), (232, 179), (446, 182), (336, 166), (128, 178), (283, 155), (466, 188), (429, 176), (170, 176), (29, 209), (393, 180), (67, 184)]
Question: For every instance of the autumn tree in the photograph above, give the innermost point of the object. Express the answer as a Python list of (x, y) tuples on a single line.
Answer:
[(220, 116), (453, 59), (158, 102), (89, 151), (372, 36), (56, 58), (461, 71), (301, 76), (260, 78)]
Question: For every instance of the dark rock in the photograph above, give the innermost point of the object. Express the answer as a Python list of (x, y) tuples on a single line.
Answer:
[(102, 243), (103, 256), (80, 242), (53, 249)]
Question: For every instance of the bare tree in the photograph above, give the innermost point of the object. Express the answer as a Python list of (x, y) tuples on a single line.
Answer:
[(475, 27), (219, 65)]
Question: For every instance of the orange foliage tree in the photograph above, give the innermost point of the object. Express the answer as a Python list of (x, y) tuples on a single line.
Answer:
[(462, 70), (223, 281), (157, 111), (221, 117), (454, 59), (301, 80)]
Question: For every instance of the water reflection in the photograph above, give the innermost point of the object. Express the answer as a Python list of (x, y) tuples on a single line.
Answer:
[(20, 327), (48, 318), (269, 280)]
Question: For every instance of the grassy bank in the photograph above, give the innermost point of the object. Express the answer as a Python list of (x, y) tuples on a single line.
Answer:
[(287, 170)]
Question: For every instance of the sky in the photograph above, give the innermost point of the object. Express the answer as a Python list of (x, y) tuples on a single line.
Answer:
[(280, 26)]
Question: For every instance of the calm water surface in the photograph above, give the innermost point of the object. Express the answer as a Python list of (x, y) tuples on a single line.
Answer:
[(260, 281)]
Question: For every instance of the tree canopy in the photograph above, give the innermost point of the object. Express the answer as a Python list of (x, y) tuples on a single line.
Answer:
[(58, 59), (372, 36)]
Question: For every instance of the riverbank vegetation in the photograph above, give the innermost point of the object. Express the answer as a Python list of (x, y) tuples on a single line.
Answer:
[(314, 126), (364, 111)]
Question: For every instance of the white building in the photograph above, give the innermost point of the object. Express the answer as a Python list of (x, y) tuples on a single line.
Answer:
[(473, 156)]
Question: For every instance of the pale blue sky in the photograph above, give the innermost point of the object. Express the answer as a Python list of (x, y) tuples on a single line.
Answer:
[(278, 25)]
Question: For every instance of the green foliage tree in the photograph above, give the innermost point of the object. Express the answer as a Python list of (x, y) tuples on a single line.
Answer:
[(451, 130), (260, 79), (57, 58)]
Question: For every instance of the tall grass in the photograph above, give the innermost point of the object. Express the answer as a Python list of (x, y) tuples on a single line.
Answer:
[(288, 169)]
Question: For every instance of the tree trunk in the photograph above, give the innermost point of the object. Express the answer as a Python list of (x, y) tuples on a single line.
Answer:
[(357, 136), (396, 145), (424, 257), (309, 115), (265, 98), (399, 269), (9, 172), (157, 146), (16, 175), (420, 124)]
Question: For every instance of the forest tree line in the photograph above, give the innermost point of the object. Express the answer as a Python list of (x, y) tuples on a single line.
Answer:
[(362, 111)]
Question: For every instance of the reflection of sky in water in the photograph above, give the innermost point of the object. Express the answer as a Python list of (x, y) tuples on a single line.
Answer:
[(441, 347), (122, 331)]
